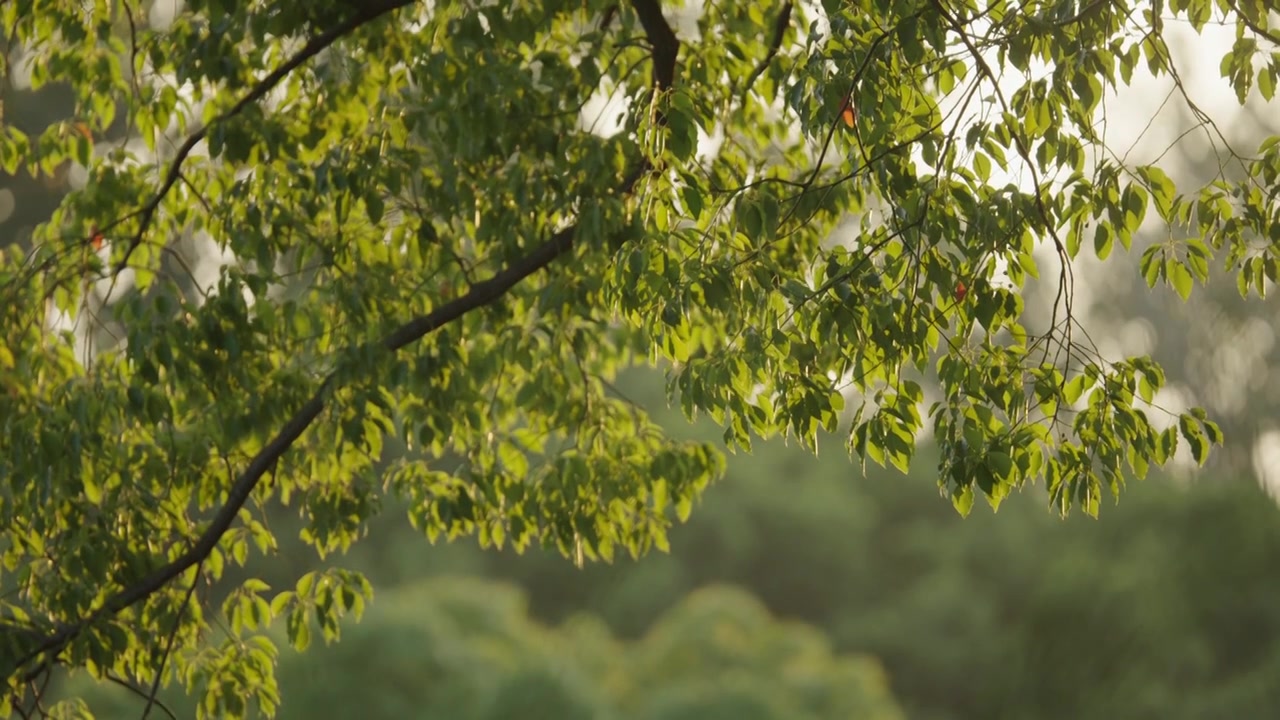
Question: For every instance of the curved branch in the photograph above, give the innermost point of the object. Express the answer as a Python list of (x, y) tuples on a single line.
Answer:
[(481, 294)]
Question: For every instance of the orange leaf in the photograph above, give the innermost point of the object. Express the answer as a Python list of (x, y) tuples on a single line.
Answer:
[(848, 113)]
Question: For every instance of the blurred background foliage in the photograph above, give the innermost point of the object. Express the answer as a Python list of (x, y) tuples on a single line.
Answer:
[(466, 648), (1164, 609), (801, 589)]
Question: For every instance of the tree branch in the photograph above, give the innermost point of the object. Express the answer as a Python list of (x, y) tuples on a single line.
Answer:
[(663, 40), (483, 293), (779, 29), (1254, 25)]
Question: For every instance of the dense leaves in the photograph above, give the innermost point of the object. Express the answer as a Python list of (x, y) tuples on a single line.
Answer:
[(320, 227)]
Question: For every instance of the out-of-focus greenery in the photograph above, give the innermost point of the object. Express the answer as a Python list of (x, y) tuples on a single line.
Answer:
[(465, 649), (1165, 609)]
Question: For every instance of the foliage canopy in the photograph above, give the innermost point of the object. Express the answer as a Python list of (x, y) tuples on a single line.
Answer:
[(312, 235)]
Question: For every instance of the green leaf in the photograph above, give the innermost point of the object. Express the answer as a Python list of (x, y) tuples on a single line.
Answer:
[(1196, 440), (1074, 388), (1162, 188), (962, 499), (982, 166), (692, 198), (682, 128), (1134, 202), (1152, 265), (1267, 83), (1102, 240), (1179, 277), (375, 206)]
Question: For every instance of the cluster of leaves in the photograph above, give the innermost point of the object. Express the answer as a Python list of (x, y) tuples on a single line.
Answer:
[(392, 183)]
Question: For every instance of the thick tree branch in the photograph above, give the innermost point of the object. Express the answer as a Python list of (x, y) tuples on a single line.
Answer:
[(663, 40)]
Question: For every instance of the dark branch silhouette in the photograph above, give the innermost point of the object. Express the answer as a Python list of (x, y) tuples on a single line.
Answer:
[(775, 44), (664, 47)]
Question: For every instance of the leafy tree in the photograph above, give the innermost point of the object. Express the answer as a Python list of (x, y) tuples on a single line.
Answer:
[(718, 654), (466, 649), (418, 223)]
